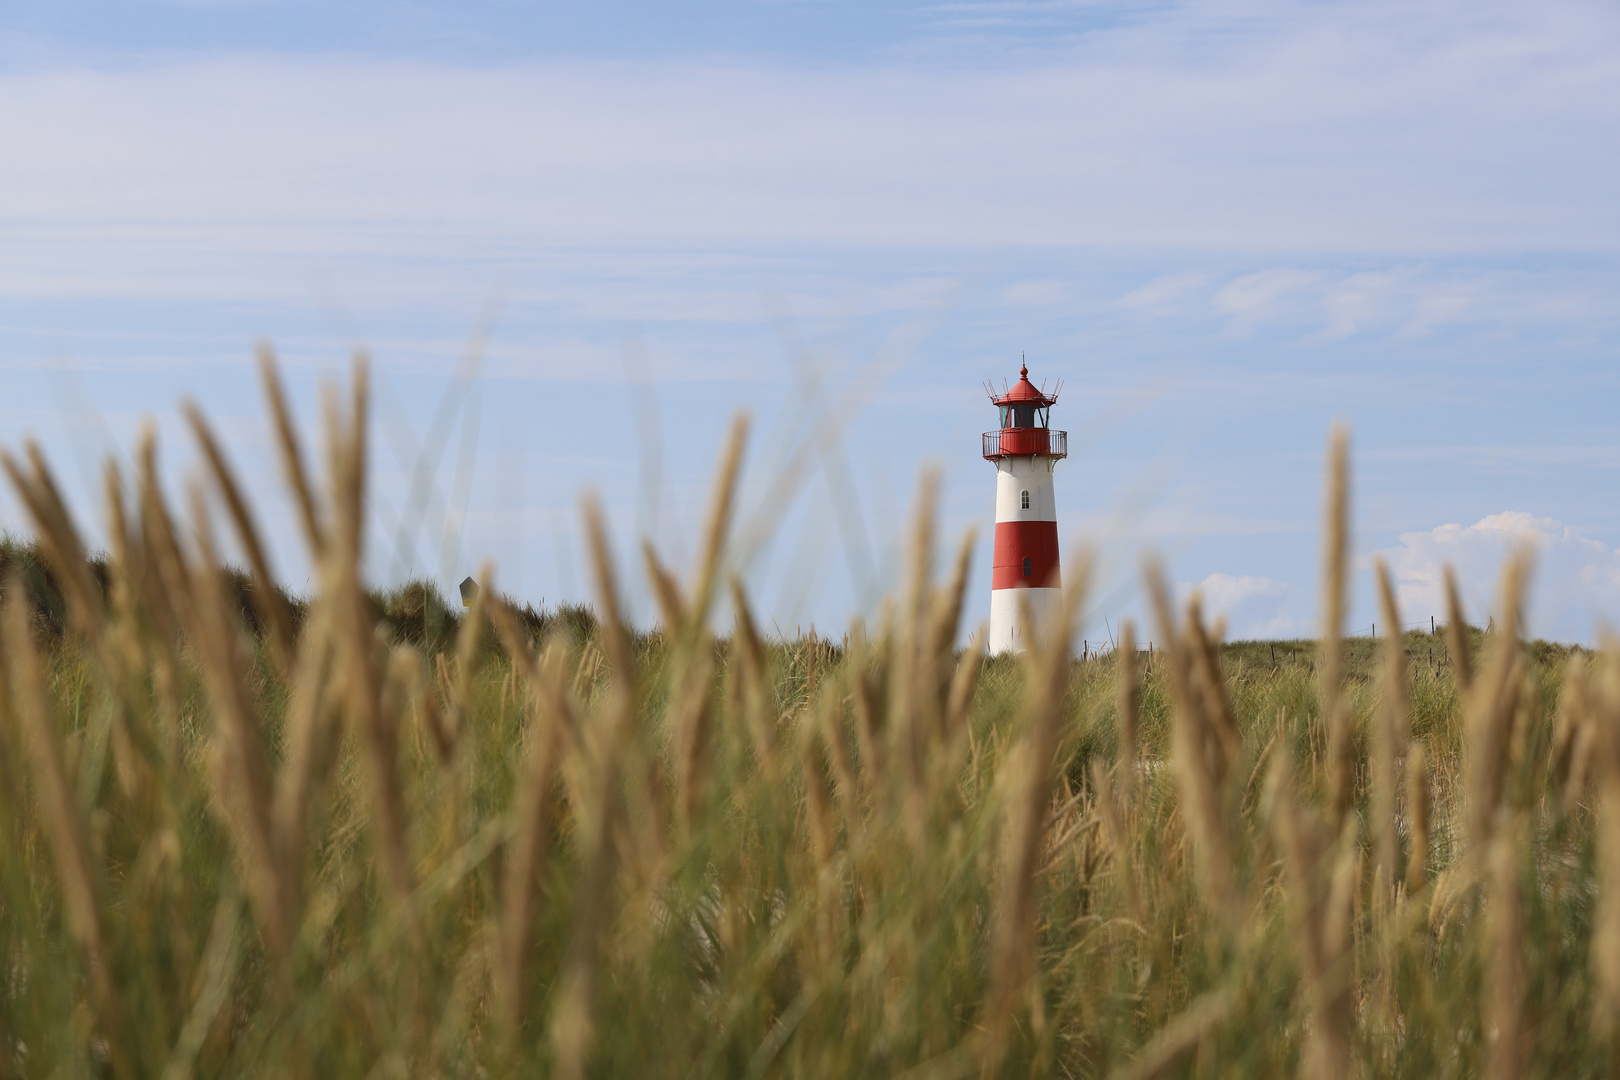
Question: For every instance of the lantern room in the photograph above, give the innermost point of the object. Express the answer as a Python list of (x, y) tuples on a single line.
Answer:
[(1025, 422)]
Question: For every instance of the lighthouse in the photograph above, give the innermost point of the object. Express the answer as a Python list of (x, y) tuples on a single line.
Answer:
[(1024, 578)]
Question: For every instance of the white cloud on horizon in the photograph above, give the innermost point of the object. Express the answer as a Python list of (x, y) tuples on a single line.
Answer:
[(1574, 589), (1254, 608)]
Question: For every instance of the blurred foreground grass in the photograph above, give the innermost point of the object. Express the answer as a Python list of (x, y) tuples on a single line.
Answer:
[(357, 835)]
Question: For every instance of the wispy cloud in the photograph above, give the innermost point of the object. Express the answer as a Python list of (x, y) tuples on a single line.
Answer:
[(1167, 293), (1300, 140), (1257, 298), (1399, 299)]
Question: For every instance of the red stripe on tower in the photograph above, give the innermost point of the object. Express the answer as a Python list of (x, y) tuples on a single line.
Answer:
[(1026, 555)]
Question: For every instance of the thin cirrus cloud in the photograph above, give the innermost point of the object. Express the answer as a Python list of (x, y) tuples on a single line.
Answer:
[(1297, 141)]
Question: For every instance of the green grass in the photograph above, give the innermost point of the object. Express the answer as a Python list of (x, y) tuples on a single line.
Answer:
[(516, 843)]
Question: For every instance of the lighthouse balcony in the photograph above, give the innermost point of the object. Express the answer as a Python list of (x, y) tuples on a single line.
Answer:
[(1016, 442)]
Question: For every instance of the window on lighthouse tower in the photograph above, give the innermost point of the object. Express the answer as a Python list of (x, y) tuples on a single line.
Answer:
[(1029, 565), (1026, 500)]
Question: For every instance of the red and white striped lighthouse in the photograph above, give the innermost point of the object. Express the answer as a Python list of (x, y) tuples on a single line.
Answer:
[(1025, 570)]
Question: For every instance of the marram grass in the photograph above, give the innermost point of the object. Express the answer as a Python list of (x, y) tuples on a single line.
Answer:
[(243, 834)]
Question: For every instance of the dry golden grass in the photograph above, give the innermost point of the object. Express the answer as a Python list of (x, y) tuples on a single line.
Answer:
[(241, 835)]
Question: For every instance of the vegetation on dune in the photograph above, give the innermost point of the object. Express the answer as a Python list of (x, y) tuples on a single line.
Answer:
[(243, 833)]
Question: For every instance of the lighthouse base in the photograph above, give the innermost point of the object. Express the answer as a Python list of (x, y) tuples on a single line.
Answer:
[(1009, 630)]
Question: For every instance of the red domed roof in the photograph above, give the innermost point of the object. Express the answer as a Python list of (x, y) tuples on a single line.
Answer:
[(1024, 391)]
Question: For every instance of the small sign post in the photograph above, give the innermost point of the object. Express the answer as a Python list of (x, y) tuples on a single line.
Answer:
[(469, 592)]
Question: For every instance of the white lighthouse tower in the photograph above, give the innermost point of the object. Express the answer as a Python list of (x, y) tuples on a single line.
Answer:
[(1024, 577)]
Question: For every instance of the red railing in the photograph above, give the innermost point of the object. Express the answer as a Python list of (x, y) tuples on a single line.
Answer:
[(1031, 440)]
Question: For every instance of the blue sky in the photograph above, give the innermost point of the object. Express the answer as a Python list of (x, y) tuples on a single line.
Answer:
[(1223, 226)]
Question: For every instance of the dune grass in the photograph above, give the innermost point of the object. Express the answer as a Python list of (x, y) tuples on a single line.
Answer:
[(358, 834)]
